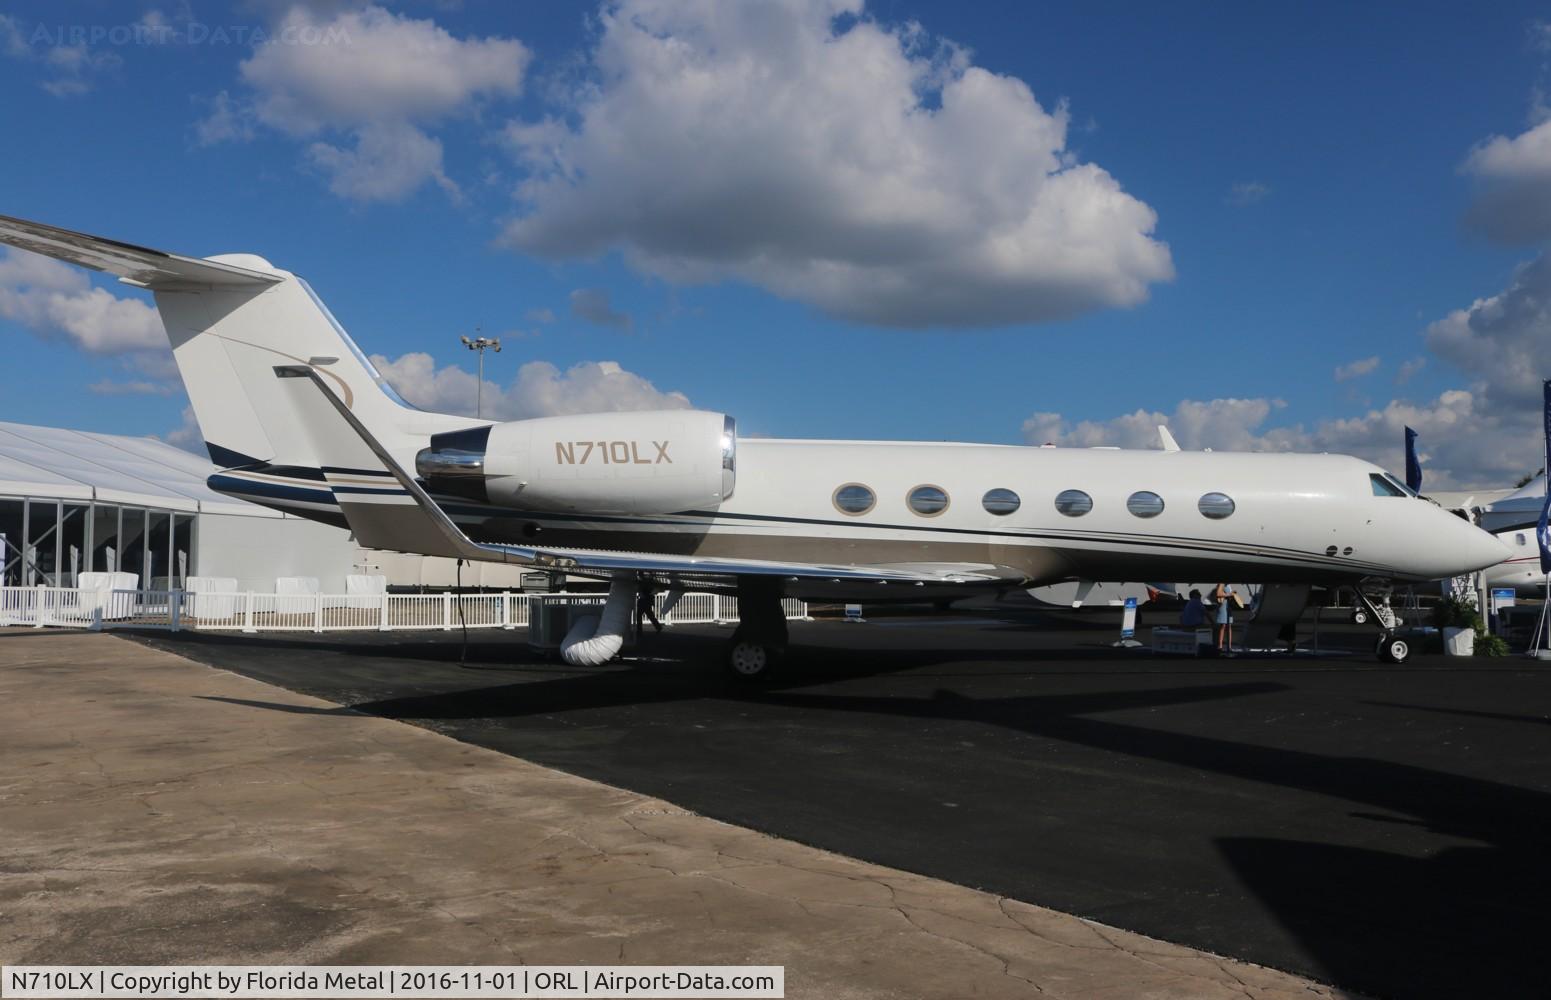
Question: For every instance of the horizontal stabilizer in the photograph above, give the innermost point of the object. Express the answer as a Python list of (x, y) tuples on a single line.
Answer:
[(153, 269), (388, 509)]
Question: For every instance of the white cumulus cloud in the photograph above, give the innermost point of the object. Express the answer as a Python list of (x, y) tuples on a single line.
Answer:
[(1460, 443), (72, 65), (228, 120), (1222, 424), (387, 162), (186, 435), (1356, 369), (374, 66), (1410, 369), (375, 79), (1514, 203), (806, 148), (539, 389), (1484, 432), (54, 299), (134, 387), (1503, 341)]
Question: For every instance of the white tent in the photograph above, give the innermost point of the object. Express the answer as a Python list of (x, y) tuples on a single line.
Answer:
[(51, 461), (77, 501)]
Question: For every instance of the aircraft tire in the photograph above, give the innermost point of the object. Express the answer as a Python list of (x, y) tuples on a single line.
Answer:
[(752, 662), (1394, 650)]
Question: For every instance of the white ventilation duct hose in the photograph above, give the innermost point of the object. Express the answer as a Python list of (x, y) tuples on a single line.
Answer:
[(593, 640), (675, 594)]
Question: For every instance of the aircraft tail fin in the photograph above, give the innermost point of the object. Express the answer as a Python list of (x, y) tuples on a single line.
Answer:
[(231, 320)]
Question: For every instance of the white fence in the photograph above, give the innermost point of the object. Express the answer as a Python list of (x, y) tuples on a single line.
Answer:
[(256, 612)]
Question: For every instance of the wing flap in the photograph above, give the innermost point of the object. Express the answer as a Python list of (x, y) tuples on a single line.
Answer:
[(153, 269)]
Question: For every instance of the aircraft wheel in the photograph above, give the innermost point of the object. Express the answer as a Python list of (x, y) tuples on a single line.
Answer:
[(752, 661), (1360, 616), (1394, 650)]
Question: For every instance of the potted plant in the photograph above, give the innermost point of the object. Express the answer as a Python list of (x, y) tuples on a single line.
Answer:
[(1458, 621), (1491, 645)]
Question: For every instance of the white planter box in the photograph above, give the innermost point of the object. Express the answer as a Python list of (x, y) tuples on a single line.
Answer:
[(1459, 641)]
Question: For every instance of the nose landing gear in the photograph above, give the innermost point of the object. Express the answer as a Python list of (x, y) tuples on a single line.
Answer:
[(1391, 647)]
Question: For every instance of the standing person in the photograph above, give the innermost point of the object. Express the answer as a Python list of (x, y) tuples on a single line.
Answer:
[(1193, 614), (1224, 598), (645, 605)]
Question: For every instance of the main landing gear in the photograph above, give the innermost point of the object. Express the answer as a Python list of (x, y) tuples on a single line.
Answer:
[(758, 645), (1392, 647)]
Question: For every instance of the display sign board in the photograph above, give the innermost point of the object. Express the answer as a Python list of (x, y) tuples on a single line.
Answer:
[(1128, 620)]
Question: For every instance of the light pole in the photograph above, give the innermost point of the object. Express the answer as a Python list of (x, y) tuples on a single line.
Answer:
[(479, 344)]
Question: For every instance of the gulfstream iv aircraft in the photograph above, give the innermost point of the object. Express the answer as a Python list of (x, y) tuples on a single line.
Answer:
[(297, 419)]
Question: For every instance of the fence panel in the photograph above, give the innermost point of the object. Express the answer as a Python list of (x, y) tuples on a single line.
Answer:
[(71, 607), (691, 609), (352, 614), (18, 606), (477, 610), (40, 606), (414, 611), (794, 608), (519, 610), (143, 609), (283, 613), (216, 611)]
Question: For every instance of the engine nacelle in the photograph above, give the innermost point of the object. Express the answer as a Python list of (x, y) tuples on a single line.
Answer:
[(657, 462)]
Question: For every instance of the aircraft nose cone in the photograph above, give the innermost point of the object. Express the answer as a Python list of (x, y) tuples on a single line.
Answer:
[(1477, 549)]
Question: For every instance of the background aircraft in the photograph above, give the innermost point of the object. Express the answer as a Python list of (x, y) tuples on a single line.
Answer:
[(1510, 515)]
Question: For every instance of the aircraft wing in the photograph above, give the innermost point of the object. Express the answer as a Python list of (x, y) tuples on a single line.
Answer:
[(388, 509), (154, 269)]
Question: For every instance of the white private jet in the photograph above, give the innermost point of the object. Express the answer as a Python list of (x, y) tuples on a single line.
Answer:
[(299, 420)]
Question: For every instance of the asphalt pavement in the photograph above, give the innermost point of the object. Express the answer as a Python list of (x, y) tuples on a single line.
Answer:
[(1384, 828)]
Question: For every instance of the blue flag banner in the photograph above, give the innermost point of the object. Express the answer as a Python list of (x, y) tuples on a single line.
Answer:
[(1543, 536), (1542, 530), (1546, 388), (1414, 467)]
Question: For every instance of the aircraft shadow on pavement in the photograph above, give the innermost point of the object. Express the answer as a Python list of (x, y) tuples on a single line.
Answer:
[(1457, 908), (1468, 919), (673, 658), (1539, 720)]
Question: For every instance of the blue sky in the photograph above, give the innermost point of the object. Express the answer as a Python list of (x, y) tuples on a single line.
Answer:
[(1311, 169)]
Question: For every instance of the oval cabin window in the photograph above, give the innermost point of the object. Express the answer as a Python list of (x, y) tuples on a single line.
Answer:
[(1000, 502), (928, 501), (854, 498), (1144, 503), (1073, 503), (1216, 505)]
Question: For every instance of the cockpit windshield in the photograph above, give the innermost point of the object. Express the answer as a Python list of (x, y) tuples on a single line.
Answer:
[(1386, 485), (1408, 491)]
